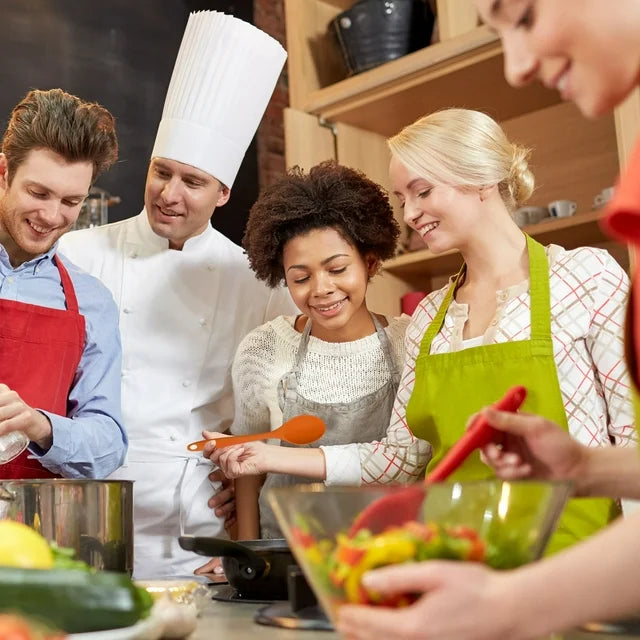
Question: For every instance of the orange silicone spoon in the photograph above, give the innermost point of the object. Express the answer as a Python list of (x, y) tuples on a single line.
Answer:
[(302, 429)]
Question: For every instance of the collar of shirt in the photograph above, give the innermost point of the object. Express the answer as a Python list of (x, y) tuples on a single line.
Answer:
[(30, 266), (458, 313), (503, 296), (149, 237)]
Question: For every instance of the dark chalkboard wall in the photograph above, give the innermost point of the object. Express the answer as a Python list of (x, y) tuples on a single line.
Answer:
[(119, 53)]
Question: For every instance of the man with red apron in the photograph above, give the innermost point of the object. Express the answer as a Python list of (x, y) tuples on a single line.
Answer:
[(438, 409), (28, 355), (59, 342)]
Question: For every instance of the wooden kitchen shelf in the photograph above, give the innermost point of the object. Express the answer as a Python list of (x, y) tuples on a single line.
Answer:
[(575, 231), (341, 5), (572, 158), (466, 71)]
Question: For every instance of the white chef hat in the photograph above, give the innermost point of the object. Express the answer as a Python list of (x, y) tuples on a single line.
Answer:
[(223, 78)]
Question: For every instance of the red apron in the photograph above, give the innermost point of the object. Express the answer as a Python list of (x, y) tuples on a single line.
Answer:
[(40, 349)]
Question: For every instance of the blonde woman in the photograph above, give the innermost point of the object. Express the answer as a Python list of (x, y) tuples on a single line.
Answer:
[(516, 313)]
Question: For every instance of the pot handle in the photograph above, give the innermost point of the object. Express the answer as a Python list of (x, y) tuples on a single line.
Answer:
[(7, 495), (251, 564)]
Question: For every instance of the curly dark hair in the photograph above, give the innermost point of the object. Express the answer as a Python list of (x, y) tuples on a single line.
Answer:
[(329, 196)]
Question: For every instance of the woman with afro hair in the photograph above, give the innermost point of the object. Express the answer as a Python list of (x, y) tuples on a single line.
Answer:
[(325, 234)]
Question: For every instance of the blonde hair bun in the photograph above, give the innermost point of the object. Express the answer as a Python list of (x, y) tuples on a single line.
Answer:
[(521, 180), (465, 148)]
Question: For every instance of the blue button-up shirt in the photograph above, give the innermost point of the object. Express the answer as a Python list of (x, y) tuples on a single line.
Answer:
[(90, 442)]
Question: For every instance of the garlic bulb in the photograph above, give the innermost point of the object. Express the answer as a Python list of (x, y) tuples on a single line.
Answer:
[(179, 619)]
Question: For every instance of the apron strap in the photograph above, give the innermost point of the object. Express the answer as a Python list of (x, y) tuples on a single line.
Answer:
[(385, 343), (302, 347), (189, 482), (290, 379), (67, 285), (539, 291), (438, 321)]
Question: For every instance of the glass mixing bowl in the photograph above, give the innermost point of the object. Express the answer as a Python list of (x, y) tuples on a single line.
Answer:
[(503, 524)]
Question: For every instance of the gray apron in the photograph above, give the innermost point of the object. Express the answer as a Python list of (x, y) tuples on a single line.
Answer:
[(363, 420)]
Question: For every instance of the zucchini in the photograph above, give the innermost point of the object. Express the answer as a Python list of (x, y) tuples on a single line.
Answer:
[(74, 600)]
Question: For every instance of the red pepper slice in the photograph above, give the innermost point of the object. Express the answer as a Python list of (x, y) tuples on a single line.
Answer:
[(350, 556), (302, 538)]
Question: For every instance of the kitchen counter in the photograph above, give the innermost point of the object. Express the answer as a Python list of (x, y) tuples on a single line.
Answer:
[(235, 620)]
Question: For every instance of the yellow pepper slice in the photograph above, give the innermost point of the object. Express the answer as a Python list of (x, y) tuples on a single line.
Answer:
[(380, 551)]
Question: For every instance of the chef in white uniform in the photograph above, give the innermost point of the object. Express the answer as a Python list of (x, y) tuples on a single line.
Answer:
[(186, 294)]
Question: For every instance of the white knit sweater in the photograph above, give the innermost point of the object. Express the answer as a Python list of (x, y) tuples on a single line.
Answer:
[(331, 372)]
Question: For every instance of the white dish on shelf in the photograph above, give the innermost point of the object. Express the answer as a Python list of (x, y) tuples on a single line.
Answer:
[(542, 220), (150, 628)]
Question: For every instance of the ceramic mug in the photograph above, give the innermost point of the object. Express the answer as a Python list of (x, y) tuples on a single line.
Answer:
[(603, 197), (562, 208), (410, 301), (530, 215)]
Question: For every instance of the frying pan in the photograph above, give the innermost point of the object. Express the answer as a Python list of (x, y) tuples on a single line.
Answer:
[(257, 569)]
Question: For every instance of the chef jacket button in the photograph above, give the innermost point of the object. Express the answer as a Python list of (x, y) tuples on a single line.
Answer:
[(202, 321), (126, 310), (174, 438), (210, 267), (133, 254), (186, 383)]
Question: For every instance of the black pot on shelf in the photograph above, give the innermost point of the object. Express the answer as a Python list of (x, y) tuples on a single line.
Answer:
[(373, 32)]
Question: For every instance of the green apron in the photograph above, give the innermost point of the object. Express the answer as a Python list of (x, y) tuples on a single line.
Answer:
[(450, 387)]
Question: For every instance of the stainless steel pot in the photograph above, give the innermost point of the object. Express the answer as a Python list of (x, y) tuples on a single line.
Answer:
[(94, 517)]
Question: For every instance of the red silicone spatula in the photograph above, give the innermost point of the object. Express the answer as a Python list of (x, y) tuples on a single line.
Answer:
[(403, 506)]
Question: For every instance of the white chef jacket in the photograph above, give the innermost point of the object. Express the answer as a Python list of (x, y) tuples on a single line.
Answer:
[(182, 316)]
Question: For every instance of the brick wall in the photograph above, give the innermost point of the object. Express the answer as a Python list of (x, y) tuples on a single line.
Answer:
[(268, 15)]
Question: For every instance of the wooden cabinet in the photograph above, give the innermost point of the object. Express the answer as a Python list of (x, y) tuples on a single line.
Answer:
[(349, 119)]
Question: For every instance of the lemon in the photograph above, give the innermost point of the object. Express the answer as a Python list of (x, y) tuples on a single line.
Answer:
[(21, 546)]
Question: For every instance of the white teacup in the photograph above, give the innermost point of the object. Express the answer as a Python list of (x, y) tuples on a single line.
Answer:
[(562, 208), (603, 197)]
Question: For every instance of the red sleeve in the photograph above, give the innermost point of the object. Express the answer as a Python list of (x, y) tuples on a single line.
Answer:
[(622, 221), (622, 216)]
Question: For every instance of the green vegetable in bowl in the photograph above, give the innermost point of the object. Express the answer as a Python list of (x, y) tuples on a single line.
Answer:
[(339, 564)]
